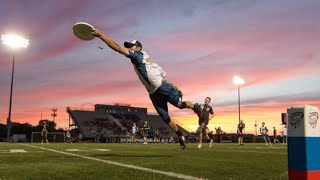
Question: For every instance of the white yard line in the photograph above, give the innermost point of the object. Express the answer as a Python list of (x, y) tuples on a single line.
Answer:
[(171, 174), (72, 150), (102, 150), (244, 151)]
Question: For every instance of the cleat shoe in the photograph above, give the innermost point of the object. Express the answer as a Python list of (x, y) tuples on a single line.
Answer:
[(182, 142), (199, 146), (197, 108)]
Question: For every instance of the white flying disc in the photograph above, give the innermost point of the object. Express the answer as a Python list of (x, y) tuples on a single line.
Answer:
[(83, 31)]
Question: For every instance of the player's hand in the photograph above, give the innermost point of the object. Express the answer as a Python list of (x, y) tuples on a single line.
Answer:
[(96, 33)]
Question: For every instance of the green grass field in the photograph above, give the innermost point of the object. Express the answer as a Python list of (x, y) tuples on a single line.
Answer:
[(138, 161)]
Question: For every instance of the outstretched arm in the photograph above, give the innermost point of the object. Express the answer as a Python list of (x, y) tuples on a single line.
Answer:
[(111, 43)]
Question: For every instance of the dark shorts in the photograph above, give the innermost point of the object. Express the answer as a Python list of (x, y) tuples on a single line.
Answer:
[(145, 133), (240, 135), (167, 92), (203, 126)]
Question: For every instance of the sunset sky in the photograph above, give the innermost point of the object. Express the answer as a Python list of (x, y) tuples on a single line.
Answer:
[(273, 45)]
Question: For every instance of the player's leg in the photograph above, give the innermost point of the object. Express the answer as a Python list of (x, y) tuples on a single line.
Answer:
[(145, 135), (175, 96), (269, 140), (200, 140), (159, 101), (286, 140), (265, 139), (199, 132), (208, 138)]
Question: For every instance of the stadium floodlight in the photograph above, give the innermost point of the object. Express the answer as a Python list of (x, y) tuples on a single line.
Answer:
[(14, 42), (238, 81)]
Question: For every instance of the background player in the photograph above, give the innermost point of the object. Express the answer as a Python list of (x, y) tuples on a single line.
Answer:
[(205, 114), (240, 132), (68, 137), (134, 131), (284, 135), (275, 136), (145, 130), (44, 134), (264, 133)]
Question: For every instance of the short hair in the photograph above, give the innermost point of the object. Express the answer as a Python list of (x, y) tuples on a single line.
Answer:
[(209, 98)]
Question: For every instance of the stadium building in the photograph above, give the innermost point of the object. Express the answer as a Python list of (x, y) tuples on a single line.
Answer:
[(109, 122)]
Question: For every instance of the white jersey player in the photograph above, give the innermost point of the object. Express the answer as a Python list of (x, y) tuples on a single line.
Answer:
[(264, 133)]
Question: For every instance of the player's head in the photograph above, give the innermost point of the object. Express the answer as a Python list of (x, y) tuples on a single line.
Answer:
[(133, 45), (134, 124), (146, 122), (241, 121), (274, 127), (263, 123), (207, 100)]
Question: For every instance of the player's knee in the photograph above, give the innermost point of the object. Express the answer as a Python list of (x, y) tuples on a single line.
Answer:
[(200, 130), (167, 120)]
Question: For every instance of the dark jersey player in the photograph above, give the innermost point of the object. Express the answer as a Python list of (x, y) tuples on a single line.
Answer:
[(144, 130), (240, 132), (151, 76), (275, 139), (205, 114)]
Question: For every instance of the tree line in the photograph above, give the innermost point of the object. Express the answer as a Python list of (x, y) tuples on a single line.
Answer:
[(27, 129)]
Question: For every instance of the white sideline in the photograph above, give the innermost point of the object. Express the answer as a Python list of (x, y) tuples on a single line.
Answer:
[(171, 174)]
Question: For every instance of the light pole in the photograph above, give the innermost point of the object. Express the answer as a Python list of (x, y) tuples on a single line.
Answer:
[(238, 81), (14, 42)]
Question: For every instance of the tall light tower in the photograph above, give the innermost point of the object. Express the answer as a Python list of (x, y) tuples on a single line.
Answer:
[(14, 42), (238, 81), (54, 114), (255, 126)]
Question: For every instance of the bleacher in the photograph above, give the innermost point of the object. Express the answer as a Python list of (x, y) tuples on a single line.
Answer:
[(102, 124), (93, 124)]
